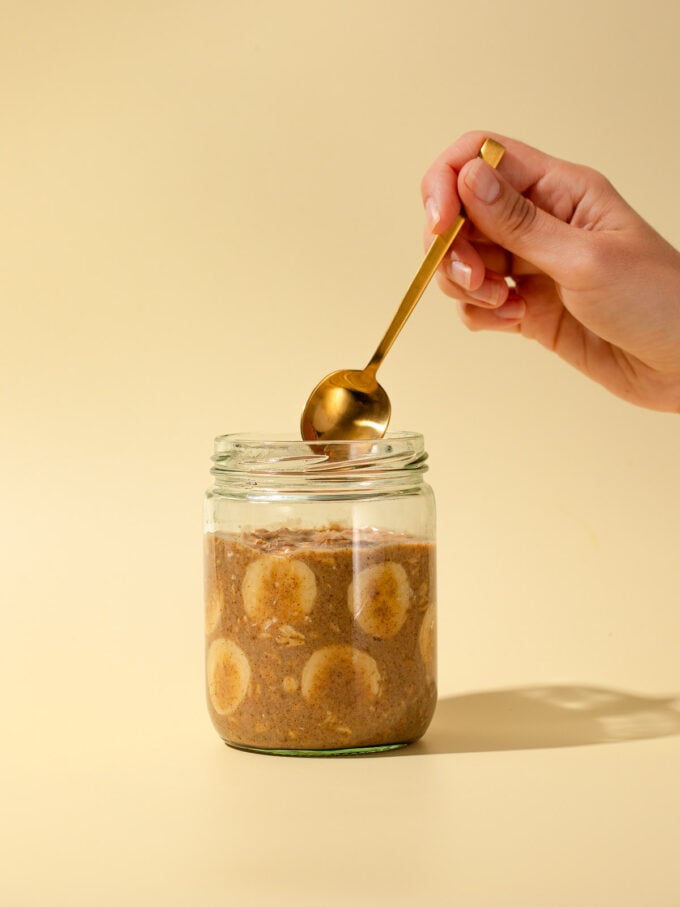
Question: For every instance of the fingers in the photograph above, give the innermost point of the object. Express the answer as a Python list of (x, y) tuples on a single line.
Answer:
[(482, 255), (507, 317), (517, 225), (545, 223), (464, 265), (514, 221), (535, 310), (522, 164), (526, 206), (476, 272), (440, 197), (491, 292)]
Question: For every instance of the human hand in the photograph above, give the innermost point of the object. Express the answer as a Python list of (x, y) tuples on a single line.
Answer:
[(588, 278)]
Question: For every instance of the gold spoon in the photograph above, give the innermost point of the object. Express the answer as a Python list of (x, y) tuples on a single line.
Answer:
[(350, 404)]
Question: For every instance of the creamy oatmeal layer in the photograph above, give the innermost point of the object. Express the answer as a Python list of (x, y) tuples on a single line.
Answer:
[(320, 639)]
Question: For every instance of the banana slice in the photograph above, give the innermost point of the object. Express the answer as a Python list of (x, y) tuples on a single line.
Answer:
[(427, 643), (213, 611), (228, 673), (340, 676), (278, 588), (379, 599)]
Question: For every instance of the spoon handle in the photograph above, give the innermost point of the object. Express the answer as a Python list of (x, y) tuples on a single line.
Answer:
[(492, 152)]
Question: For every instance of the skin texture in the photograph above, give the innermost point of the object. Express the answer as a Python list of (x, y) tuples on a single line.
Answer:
[(553, 252)]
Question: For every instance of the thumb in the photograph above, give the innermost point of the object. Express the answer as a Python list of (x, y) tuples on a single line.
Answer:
[(513, 221)]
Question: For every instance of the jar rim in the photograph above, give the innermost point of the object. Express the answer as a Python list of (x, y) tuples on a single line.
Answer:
[(401, 452), (276, 439)]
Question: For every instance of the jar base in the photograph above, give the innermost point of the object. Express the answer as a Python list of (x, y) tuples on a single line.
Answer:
[(348, 751)]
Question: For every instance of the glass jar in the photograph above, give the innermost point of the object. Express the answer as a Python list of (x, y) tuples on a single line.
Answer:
[(320, 594)]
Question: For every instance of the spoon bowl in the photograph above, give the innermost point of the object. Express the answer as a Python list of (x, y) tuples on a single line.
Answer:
[(350, 404), (347, 404)]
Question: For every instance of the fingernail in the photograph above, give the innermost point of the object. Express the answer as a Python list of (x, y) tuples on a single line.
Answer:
[(432, 213), (492, 293), (460, 273), (514, 308), (482, 181)]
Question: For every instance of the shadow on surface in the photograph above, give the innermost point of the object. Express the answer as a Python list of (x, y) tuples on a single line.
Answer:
[(545, 717)]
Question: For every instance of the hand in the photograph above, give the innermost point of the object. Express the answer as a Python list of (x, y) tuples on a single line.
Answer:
[(552, 251)]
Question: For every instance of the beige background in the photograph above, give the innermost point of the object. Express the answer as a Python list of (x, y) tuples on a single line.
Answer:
[(206, 206)]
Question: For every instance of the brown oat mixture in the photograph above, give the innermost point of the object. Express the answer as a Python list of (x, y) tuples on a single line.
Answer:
[(319, 639)]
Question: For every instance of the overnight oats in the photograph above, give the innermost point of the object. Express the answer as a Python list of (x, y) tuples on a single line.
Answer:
[(321, 639)]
